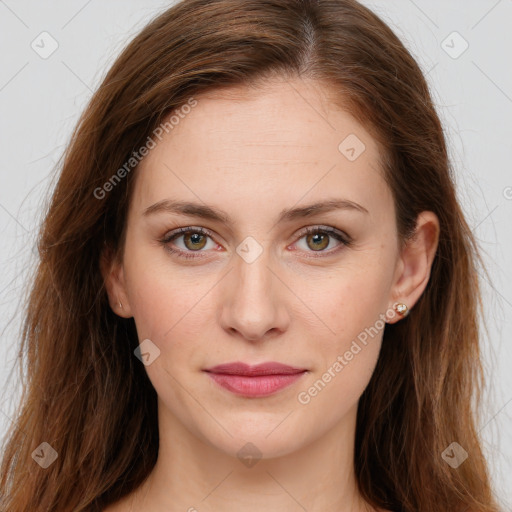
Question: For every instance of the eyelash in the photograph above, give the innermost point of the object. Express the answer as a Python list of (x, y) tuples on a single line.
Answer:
[(344, 239)]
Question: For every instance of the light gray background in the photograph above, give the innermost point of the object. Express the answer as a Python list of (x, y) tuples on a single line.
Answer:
[(41, 99)]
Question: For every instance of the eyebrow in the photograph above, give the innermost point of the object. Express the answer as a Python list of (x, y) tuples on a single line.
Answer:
[(287, 215)]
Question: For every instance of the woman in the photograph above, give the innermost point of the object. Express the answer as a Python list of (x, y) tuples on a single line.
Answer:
[(257, 290)]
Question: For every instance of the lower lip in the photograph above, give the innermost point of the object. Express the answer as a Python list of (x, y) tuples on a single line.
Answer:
[(257, 386)]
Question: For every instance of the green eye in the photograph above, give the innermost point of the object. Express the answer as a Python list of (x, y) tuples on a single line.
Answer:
[(319, 238), (195, 239)]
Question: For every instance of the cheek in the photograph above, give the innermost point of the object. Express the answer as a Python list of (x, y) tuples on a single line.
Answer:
[(162, 299), (345, 358), (347, 301), (171, 308), (351, 309), (168, 310)]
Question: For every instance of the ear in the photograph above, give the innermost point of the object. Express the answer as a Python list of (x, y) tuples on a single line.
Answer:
[(415, 262), (113, 275)]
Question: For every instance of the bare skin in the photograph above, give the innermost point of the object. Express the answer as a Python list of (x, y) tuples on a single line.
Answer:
[(303, 301)]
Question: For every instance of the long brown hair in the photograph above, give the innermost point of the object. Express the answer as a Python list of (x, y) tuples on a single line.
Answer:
[(85, 393)]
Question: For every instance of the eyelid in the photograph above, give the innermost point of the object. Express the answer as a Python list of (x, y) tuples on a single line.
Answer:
[(343, 239), (326, 229), (341, 236), (178, 231)]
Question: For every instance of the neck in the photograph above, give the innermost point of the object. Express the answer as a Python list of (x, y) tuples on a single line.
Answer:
[(192, 474)]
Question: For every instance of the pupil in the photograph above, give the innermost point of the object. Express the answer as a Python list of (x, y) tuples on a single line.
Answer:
[(318, 239), (194, 241)]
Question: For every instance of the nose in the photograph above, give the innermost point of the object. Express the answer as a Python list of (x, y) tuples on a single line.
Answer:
[(254, 305)]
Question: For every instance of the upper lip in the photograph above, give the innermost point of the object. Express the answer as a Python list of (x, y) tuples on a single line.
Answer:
[(271, 368)]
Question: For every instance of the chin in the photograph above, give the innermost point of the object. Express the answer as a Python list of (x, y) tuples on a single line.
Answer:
[(256, 436)]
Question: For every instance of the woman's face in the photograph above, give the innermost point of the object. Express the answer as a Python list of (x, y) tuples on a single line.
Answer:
[(257, 168)]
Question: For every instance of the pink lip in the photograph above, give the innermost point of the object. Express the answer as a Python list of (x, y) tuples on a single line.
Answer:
[(254, 381)]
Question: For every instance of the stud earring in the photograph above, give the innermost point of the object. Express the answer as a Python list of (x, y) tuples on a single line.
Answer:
[(401, 309), (120, 305)]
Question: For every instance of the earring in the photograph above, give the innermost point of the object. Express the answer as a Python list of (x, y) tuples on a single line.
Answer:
[(120, 305), (401, 309)]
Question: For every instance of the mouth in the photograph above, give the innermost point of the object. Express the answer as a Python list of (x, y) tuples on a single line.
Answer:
[(255, 381)]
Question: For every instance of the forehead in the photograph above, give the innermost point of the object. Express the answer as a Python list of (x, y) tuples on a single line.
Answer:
[(266, 145)]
